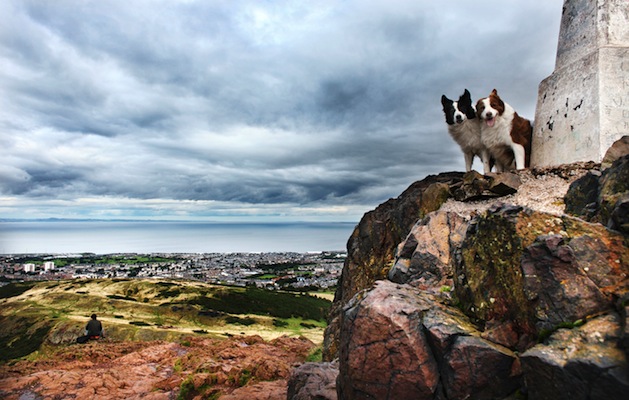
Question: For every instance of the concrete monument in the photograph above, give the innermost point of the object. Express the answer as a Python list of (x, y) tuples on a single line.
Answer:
[(583, 107)]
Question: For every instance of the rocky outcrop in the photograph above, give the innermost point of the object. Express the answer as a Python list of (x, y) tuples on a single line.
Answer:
[(371, 247), (603, 197), (495, 304)]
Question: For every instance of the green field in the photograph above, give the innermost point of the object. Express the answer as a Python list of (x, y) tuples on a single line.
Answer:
[(36, 315)]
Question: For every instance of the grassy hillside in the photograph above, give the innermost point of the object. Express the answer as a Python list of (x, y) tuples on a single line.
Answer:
[(36, 315)]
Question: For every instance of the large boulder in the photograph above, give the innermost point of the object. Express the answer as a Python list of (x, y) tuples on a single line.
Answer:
[(384, 353), (578, 364), (534, 271), (372, 245), (567, 280), (470, 366), (476, 368), (612, 197), (619, 149), (603, 197), (399, 343), (424, 258)]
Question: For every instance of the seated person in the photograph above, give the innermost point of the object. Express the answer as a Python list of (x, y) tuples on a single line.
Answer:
[(94, 328)]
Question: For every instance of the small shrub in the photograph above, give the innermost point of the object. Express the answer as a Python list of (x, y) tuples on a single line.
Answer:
[(186, 389), (280, 323), (139, 323), (315, 355), (445, 289), (244, 378)]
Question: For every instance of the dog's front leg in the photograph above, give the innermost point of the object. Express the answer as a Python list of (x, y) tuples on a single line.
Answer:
[(486, 159), (518, 152), (469, 158)]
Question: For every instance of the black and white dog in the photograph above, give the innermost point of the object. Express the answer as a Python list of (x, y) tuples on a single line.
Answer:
[(464, 127)]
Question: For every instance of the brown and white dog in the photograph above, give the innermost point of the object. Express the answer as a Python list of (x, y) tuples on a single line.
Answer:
[(504, 133)]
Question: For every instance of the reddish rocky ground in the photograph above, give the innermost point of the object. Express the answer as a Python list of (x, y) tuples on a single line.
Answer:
[(244, 367)]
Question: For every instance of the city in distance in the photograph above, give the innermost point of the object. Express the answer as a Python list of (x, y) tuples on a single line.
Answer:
[(316, 271)]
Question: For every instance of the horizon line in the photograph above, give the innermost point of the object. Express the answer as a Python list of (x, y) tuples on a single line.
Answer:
[(57, 219)]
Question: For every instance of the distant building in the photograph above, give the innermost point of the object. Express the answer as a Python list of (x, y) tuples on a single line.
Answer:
[(49, 265), (29, 267)]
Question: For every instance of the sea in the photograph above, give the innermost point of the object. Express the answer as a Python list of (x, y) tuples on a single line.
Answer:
[(145, 237)]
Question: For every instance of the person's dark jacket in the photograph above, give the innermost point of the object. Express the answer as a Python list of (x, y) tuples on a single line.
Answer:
[(94, 328)]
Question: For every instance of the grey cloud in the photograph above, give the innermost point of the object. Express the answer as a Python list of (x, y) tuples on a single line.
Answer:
[(253, 103)]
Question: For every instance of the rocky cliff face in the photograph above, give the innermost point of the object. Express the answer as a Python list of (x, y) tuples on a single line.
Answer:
[(489, 299)]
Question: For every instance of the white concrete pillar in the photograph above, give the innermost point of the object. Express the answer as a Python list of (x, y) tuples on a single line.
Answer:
[(583, 107)]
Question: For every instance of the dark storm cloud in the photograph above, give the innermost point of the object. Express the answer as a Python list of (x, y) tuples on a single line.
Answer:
[(249, 104)]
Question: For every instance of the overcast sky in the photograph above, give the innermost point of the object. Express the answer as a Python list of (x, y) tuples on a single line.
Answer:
[(247, 110)]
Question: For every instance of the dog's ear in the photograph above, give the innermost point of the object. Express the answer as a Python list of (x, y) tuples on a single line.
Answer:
[(445, 101), (479, 108), (494, 92), (466, 98), (466, 105)]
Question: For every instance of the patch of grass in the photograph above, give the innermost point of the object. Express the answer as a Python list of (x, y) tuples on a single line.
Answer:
[(168, 293), (546, 333), (264, 276), (265, 302), (186, 389), (15, 289), (159, 319), (315, 355), (24, 339), (246, 321), (167, 284), (118, 297)]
